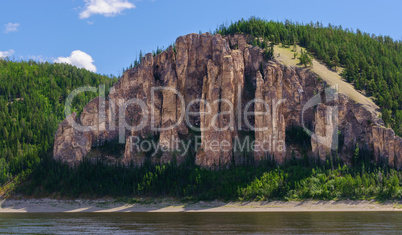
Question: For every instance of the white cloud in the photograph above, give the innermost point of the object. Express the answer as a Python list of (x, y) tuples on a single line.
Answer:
[(11, 27), (8, 53), (79, 59), (105, 7)]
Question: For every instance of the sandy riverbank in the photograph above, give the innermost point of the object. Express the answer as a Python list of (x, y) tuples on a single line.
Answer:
[(167, 205)]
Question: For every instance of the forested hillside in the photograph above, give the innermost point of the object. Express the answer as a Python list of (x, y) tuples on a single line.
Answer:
[(32, 97), (372, 63)]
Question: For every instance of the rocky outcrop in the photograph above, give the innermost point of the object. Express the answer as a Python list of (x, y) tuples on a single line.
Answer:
[(71, 145), (386, 145), (325, 135), (359, 127), (269, 120), (208, 85), (398, 153)]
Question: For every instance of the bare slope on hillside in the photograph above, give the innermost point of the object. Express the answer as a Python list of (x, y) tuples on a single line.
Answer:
[(331, 77)]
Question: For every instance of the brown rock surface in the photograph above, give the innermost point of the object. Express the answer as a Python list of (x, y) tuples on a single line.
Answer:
[(325, 131), (212, 67), (71, 145)]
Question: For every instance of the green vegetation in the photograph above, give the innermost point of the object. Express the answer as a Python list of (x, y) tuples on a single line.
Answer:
[(372, 63), (32, 97), (305, 59), (297, 179), (303, 178)]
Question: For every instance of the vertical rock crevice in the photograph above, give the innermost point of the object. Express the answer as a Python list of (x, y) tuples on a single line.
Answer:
[(213, 68)]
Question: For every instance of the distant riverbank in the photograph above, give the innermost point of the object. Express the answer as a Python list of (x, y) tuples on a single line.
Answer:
[(171, 205)]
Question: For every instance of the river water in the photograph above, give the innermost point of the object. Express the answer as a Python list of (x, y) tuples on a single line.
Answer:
[(203, 223)]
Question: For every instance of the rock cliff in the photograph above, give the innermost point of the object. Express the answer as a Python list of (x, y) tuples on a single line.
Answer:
[(222, 89)]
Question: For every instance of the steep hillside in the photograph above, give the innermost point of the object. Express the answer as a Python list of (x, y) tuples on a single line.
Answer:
[(322, 144), (372, 63), (231, 78), (210, 67), (331, 77), (32, 97)]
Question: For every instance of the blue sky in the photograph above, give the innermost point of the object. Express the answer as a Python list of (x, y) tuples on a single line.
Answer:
[(106, 35)]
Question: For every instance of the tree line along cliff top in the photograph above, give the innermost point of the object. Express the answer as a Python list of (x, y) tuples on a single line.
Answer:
[(373, 64), (32, 94)]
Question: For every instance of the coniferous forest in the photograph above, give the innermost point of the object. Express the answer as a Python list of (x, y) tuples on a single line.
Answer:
[(32, 97), (373, 64)]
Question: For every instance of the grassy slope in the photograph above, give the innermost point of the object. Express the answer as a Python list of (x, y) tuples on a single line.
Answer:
[(330, 76)]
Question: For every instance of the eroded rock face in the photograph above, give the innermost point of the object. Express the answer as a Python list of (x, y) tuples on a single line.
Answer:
[(398, 153), (359, 127), (323, 141), (165, 90), (269, 119), (71, 145)]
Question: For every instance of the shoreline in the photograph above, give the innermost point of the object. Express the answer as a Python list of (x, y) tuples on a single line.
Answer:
[(170, 205)]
